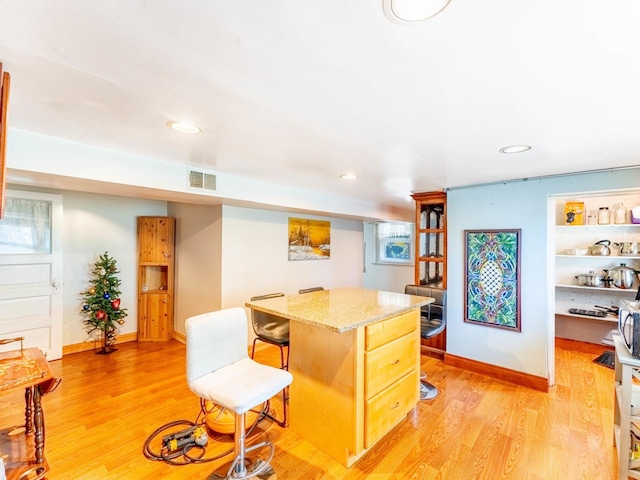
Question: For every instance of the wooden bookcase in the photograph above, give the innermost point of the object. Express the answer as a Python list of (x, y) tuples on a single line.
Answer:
[(431, 251), (156, 252)]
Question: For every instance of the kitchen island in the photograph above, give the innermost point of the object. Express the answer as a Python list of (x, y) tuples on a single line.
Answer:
[(355, 360)]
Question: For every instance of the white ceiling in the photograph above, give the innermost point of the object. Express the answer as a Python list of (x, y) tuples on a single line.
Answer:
[(297, 92)]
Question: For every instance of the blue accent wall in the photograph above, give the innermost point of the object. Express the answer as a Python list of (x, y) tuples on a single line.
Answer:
[(527, 205)]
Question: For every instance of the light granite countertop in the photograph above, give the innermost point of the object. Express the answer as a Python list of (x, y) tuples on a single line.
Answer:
[(340, 309)]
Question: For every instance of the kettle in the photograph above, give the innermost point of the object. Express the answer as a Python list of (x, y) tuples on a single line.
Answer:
[(627, 248), (622, 276), (600, 248)]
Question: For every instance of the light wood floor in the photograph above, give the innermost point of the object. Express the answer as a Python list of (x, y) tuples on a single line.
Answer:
[(477, 428)]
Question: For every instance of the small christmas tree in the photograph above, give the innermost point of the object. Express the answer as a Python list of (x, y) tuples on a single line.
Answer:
[(101, 307)]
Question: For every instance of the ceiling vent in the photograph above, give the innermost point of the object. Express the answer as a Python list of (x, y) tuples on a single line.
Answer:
[(199, 180)]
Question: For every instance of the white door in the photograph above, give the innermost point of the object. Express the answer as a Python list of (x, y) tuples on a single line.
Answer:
[(31, 272)]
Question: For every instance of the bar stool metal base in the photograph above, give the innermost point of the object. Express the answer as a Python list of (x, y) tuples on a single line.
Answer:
[(241, 467), (248, 467), (427, 391)]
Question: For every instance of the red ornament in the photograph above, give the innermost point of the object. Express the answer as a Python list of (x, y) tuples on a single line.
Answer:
[(116, 303), (100, 314)]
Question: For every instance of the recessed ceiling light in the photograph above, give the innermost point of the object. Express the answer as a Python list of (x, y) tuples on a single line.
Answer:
[(348, 176), (515, 149), (412, 11), (184, 127)]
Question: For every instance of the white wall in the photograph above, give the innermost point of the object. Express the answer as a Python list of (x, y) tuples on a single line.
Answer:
[(224, 255), (63, 164), (93, 224), (523, 205), (255, 245), (390, 278), (198, 260)]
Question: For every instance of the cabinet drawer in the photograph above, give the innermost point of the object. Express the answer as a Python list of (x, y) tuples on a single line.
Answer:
[(386, 364), (382, 332), (386, 409)]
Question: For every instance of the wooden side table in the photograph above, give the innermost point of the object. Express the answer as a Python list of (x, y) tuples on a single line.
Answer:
[(24, 446)]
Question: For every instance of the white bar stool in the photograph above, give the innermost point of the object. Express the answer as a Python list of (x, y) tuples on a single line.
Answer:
[(219, 369)]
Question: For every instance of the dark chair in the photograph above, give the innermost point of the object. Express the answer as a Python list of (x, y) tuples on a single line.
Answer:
[(433, 320), (309, 290), (274, 330), (271, 329)]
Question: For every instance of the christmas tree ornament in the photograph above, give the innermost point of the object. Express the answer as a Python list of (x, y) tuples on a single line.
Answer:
[(101, 308)]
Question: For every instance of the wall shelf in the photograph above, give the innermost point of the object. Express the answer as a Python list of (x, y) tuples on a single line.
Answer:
[(596, 226), (599, 257), (570, 295), (609, 290)]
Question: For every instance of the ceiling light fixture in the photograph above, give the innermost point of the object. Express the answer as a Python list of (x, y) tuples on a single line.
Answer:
[(185, 127), (412, 11), (348, 176), (515, 149)]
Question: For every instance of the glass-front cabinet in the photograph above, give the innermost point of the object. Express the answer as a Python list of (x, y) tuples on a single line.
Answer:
[(431, 239)]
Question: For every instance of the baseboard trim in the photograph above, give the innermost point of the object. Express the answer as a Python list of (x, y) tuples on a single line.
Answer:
[(519, 378), (432, 352), (580, 346), (85, 346), (179, 337)]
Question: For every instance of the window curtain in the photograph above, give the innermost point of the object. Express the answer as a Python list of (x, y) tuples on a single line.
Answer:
[(26, 226)]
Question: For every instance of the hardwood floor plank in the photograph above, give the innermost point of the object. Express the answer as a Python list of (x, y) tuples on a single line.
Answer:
[(477, 428)]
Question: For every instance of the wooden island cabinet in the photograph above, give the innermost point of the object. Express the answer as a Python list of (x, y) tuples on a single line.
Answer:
[(355, 362), (156, 247)]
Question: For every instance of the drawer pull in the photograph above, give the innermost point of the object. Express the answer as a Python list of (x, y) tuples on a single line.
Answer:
[(395, 405), (396, 361)]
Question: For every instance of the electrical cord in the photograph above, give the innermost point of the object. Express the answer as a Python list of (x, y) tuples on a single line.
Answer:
[(170, 457)]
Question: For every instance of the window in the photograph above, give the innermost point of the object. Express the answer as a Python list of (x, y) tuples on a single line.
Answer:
[(394, 242), (26, 227)]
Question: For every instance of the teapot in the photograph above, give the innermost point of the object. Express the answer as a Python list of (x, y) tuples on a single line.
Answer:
[(600, 248)]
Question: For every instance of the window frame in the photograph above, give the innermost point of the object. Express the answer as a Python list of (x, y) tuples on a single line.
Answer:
[(385, 236)]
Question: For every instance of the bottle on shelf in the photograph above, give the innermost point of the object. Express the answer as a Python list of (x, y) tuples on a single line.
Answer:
[(619, 214)]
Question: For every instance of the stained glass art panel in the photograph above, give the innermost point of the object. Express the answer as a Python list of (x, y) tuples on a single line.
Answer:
[(492, 264)]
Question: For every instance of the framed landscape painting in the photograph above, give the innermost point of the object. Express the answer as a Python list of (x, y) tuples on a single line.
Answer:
[(309, 239), (492, 278)]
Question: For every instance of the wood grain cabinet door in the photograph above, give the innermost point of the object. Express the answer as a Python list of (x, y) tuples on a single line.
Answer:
[(156, 239), (154, 314)]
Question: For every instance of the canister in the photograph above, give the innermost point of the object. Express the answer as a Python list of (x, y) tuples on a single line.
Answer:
[(603, 216), (620, 214)]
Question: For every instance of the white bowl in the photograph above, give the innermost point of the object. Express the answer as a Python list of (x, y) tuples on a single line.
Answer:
[(577, 251)]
